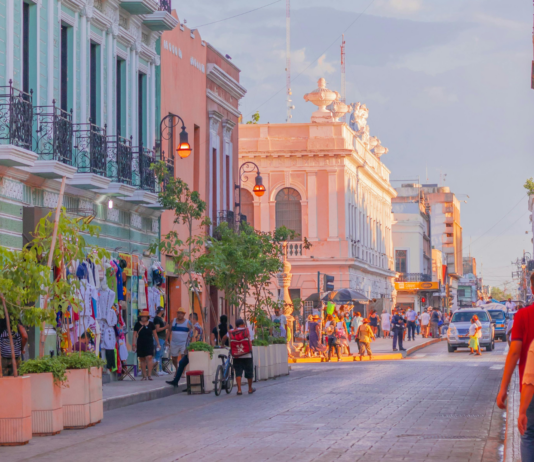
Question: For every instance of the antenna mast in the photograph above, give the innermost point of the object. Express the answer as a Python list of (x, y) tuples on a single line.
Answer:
[(288, 61), (343, 96)]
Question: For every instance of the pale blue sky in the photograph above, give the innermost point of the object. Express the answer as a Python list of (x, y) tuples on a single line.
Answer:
[(447, 84)]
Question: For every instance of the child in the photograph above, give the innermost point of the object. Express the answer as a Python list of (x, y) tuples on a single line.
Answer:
[(333, 342), (473, 339), (365, 334)]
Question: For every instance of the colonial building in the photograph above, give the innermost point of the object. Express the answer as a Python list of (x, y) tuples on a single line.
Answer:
[(325, 181)]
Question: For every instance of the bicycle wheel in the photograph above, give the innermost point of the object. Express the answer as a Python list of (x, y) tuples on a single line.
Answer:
[(230, 381), (218, 383)]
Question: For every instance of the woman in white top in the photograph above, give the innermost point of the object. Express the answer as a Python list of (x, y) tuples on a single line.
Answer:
[(386, 323)]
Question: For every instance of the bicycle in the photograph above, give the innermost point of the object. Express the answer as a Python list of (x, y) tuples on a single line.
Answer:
[(224, 375)]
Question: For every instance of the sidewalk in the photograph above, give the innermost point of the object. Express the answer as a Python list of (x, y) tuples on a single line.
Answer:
[(512, 450), (382, 351)]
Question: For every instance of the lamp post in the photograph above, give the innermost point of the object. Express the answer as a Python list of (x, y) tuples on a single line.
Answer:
[(258, 189), (166, 132)]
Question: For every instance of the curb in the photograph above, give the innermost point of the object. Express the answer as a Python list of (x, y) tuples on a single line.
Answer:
[(413, 349), (140, 397)]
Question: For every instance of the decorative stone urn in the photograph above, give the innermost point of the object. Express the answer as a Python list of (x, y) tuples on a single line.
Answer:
[(339, 109), (322, 97)]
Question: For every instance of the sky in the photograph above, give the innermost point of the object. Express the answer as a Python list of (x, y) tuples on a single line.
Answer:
[(447, 84)]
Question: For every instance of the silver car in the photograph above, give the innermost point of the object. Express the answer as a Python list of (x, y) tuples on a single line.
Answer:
[(458, 332)]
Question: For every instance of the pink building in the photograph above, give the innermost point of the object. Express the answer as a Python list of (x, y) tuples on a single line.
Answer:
[(327, 182)]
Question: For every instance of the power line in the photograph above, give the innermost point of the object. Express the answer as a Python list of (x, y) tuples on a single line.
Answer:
[(510, 211), (318, 57), (498, 235), (237, 15)]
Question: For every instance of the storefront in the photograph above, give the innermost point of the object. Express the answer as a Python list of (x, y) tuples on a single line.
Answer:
[(416, 295)]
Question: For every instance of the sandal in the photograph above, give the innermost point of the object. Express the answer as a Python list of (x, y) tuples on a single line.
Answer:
[(149, 377), (251, 391), (239, 393)]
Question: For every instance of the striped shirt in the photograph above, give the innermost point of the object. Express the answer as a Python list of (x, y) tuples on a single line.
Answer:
[(5, 346)]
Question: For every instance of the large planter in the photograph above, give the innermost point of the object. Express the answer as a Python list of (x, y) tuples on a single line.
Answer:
[(47, 411), (284, 361), (201, 361), (82, 399), (261, 362), (271, 360), (15, 411)]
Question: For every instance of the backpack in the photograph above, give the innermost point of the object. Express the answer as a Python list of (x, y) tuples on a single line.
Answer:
[(239, 342)]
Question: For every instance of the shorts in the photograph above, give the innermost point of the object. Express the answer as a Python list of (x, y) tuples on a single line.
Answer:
[(177, 350), (7, 366), (473, 343), (246, 365)]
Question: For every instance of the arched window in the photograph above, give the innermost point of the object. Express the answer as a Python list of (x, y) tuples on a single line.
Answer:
[(289, 210), (247, 206)]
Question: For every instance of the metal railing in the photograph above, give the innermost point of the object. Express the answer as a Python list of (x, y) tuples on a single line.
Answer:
[(143, 176), (91, 149), (294, 249), (120, 159), (227, 216), (16, 114), (54, 133), (414, 277)]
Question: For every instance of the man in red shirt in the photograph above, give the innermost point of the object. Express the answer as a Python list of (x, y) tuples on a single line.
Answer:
[(522, 337)]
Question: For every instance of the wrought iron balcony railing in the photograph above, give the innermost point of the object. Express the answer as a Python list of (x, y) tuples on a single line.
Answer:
[(119, 163), (144, 177), (227, 216), (414, 277), (165, 5), (91, 149), (16, 113), (53, 134)]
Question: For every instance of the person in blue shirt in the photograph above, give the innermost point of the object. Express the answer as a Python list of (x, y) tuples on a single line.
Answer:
[(398, 323)]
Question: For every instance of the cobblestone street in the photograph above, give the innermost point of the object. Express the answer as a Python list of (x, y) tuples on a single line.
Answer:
[(434, 406)]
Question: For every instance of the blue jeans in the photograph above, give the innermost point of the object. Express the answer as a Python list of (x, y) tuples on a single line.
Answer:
[(181, 366), (397, 336), (159, 354), (417, 329), (527, 440), (411, 330)]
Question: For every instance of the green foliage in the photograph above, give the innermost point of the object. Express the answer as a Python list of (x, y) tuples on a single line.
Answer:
[(81, 360), (278, 340), (43, 365), (201, 346), (259, 342), (498, 294), (255, 118), (529, 186)]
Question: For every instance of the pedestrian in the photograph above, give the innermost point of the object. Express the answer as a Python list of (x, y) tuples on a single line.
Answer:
[(373, 321), (218, 332), (241, 348), (398, 324), (333, 342), (356, 321), (509, 326), (418, 325), (347, 322), (411, 317), (279, 324), (473, 339), (343, 336), (365, 336), (161, 331), (510, 305), (82, 344), (20, 338), (179, 335), (144, 339), (478, 332), (425, 323), (434, 323), (386, 323), (314, 327), (522, 337), (198, 330), (480, 301)]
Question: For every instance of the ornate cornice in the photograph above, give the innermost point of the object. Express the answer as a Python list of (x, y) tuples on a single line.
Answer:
[(221, 102), (223, 80)]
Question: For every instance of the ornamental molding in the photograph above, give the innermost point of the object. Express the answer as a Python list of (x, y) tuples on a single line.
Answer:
[(12, 189), (228, 127), (221, 102), (136, 221), (215, 119), (223, 80), (50, 199), (155, 226), (113, 215)]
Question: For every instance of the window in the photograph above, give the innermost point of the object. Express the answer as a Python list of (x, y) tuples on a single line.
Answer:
[(120, 88), (401, 261), (95, 84), (289, 210), (247, 206), (64, 70)]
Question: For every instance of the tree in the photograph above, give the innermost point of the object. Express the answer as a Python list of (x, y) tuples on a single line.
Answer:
[(499, 294), (529, 186), (188, 210), (254, 119)]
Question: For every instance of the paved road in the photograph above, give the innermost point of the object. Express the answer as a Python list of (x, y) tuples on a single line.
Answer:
[(434, 407)]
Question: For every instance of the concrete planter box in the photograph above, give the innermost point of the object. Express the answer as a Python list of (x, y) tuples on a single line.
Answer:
[(201, 361), (82, 399), (284, 360), (260, 354), (15, 411), (271, 360), (47, 411)]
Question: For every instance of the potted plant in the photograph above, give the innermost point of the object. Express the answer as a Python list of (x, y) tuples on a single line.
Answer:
[(201, 359), (82, 397), (47, 375)]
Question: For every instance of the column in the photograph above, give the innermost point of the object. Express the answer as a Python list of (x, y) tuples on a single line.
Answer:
[(83, 67), (10, 42), (74, 69), (50, 54), (127, 83), (214, 121), (228, 127), (37, 91), (312, 205), (332, 205), (109, 82)]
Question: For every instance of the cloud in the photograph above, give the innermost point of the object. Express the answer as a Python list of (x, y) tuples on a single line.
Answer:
[(406, 5), (439, 95)]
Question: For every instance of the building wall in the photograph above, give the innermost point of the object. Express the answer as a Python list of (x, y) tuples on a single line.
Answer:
[(408, 232)]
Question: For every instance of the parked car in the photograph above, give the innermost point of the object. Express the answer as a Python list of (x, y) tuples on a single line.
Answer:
[(498, 314), (458, 333)]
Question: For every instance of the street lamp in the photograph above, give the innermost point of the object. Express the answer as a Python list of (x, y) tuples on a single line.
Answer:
[(166, 132), (258, 189)]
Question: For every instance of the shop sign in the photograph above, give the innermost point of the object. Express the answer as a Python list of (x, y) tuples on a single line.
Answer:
[(417, 285), (128, 259)]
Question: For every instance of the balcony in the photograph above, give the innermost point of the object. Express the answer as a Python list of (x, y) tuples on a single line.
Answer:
[(52, 142), (16, 128), (449, 220), (143, 178), (294, 249), (162, 19), (227, 216), (119, 166), (447, 239), (140, 6), (90, 157), (414, 277)]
